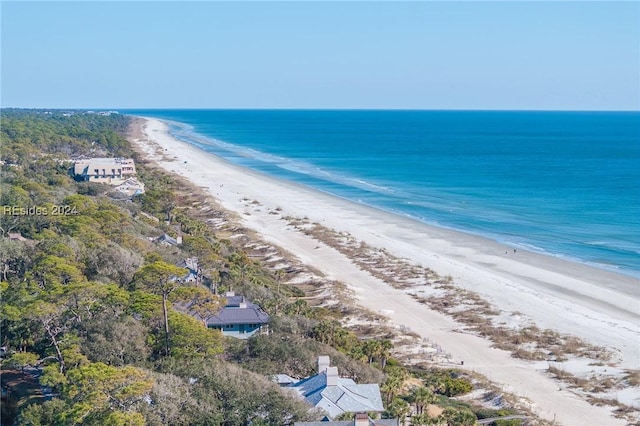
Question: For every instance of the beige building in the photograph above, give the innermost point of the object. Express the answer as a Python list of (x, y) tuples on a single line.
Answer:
[(112, 171)]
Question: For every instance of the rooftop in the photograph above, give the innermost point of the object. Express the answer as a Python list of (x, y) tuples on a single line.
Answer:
[(337, 395), (105, 160), (239, 311), (382, 422)]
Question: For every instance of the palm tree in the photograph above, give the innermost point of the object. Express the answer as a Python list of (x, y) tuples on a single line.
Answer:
[(420, 419), (396, 377), (342, 339), (384, 352), (371, 348), (323, 332), (357, 353), (465, 418), (455, 417), (240, 267), (399, 408), (422, 397), (299, 307), (390, 387)]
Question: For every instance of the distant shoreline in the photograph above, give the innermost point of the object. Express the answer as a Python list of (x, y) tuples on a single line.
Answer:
[(596, 305)]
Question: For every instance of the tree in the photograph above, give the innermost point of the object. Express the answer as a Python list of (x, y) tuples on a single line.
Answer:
[(111, 262), (162, 279), (448, 383), (454, 386), (371, 348), (454, 417), (56, 310), (172, 403), (241, 267), (200, 301), (245, 397), (22, 360), (466, 418), (420, 419), (101, 393), (12, 257), (422, 397), (51, 271), (299, 307), (50, 315), (384, 352), (323, 332), (189, 338), (392, 385), (114, 341), (332, 333), (358, 353), (42, 414), (399, 408)]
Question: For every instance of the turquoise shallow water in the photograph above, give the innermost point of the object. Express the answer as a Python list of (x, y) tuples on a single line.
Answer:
[(562, 183)]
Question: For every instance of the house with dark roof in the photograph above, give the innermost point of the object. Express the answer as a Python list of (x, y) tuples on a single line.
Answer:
[(239, 318), (337, 395)]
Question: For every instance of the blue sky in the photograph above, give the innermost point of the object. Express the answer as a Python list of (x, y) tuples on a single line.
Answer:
[(423, 55)]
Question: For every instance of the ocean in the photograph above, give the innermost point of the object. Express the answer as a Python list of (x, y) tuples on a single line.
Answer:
[(565, 184)]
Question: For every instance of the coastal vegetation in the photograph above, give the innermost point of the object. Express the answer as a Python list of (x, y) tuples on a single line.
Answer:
[(92, 326), (597, 382), (467, 307)]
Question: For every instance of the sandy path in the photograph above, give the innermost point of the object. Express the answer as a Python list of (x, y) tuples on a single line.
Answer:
[(599, 306)]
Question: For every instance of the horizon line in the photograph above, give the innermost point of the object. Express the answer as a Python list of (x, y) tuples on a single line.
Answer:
[(316, 109)]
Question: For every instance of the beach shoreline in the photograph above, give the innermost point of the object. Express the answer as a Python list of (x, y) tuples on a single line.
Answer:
[(597, 305)]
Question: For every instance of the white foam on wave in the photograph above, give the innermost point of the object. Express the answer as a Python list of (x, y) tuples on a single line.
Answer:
[(187, 134), (615, 246)]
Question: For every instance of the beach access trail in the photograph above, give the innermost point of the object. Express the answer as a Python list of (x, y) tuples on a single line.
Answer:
[(600, 307)]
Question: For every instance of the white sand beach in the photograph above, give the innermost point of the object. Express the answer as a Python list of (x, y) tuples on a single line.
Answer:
[(599, 306)]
